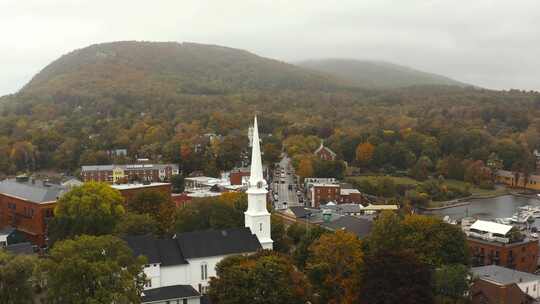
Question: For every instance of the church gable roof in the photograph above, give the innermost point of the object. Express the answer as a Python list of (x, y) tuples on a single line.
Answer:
[(322, 147), (191, 245), (199, 244)]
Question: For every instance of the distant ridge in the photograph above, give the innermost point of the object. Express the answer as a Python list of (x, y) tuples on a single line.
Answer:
[(138, 67), (377, 74)]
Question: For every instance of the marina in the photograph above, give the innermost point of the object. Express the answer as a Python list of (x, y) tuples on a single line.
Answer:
[(506, 209)]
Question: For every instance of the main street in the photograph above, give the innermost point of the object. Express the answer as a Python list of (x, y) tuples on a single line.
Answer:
[(283, 178)]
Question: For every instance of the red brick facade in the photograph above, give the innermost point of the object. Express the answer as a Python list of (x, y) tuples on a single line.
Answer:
[(484, 292), (236, 176), (321, 194), (28, 217), (522, 256)]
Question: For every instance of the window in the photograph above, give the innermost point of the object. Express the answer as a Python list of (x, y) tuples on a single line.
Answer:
[(260, 226), (184, 301), (204, 271), (148, 284)]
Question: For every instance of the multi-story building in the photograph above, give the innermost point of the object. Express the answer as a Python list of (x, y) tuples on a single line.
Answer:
[(127, 173), (347, 196), (323, 193), (495, 284), (493, 243), (27, 205)]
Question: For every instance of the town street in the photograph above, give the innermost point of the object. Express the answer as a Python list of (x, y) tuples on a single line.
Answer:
[(281, 185)]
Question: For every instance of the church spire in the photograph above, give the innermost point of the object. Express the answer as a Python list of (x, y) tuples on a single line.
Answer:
[(256, 216), (256, 174)]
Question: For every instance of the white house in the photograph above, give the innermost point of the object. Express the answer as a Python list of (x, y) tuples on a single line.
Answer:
[(179, 269)]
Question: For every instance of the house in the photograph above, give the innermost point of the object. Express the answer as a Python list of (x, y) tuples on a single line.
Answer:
[(27, 204), (184, 294), (126, 173), (359, 226), (496, 284), (512, 179), (190, 258), (493, 243), (494, 162), (325, 153)]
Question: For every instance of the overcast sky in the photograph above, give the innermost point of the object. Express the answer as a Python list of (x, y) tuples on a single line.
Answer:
[(494, 44)]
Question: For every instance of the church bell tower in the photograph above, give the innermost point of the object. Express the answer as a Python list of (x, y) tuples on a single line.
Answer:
[(257, 217)]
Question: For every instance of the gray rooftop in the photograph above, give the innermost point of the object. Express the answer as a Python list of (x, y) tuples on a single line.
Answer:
[(503, 275), (359, 226), (37, 192)]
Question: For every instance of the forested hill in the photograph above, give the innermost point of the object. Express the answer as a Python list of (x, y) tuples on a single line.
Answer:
[(158, 100), (137, 67), (377, 74)]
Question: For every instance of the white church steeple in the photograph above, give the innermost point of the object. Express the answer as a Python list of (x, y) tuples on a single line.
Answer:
[(257, 217)]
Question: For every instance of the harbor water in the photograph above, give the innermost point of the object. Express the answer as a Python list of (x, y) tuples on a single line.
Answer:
[(488, 209)]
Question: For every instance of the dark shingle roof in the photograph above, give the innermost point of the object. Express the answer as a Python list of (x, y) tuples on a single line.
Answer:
[(217, 242), (21, 248), (164, 251), (193, 245), (359, 226), (300, 211), (169, 293), (38, 192)]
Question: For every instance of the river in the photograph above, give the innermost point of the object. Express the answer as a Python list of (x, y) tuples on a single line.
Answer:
[(502, 206)]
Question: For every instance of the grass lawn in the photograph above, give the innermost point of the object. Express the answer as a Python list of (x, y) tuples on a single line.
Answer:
[(403, 180), (398, 180), (477, 192)]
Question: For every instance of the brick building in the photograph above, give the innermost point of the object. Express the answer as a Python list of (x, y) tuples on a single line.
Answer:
[(347, 196), (325, 153), (495, 284), (27, 205), (237, 176), (322, 193), (128, 173), (492, 244), (129, 191)]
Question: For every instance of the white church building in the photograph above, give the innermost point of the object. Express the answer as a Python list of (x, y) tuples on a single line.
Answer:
[(179, 269)]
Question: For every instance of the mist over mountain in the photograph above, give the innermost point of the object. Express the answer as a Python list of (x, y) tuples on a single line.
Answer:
[(377, 74)]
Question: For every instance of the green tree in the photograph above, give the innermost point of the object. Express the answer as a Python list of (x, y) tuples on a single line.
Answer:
[(157, 205), (225, 211), (16, 278), (390, 277), (91, 270), (333, 267), (136, 224), (279, 236), (301, 252), (177, 183), (93, 208), (452, 282), (263, 278)]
